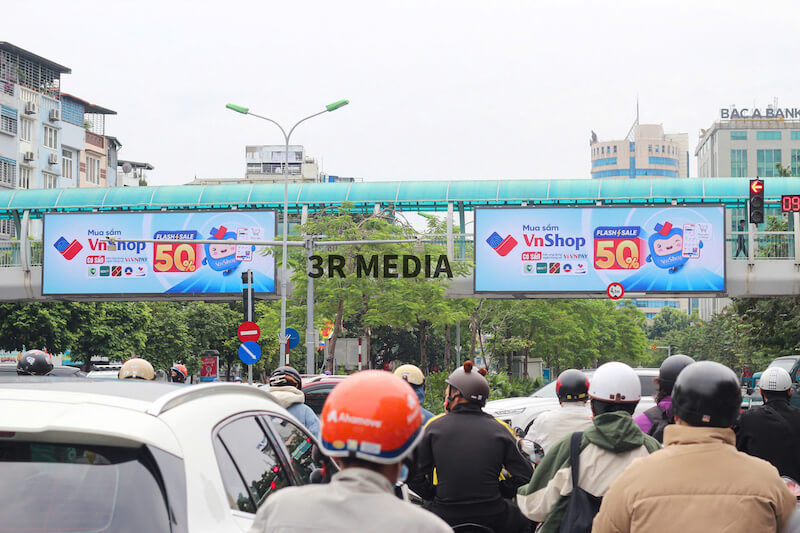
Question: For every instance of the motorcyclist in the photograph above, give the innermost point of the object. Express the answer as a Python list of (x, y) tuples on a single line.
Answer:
[(178, 374), (459, 462), (572, 388), (34, 363), (772, 431), (414, 376), (654, 420), (286, 385), (699, 482), (370, 422), (606, 449), (136, 368)]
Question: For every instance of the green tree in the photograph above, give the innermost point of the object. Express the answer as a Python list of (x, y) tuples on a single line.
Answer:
[(37, 325), (213, 326), (667, 320)]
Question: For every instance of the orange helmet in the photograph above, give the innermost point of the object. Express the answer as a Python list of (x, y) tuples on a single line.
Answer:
[(181, 372), (371, 415)]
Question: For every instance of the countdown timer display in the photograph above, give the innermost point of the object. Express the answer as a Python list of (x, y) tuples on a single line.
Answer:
[(790, 203), (80, 258), (576, 251)]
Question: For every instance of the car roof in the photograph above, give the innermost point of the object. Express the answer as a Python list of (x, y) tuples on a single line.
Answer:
[(154, 398)]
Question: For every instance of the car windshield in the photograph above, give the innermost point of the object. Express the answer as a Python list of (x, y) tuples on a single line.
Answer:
[(786, 363), (649, 388), (57, 488)]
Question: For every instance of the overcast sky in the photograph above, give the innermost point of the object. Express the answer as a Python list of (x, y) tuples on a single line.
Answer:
[(438, 89)]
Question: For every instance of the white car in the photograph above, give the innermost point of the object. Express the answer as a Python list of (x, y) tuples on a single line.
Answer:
[(129, 456), (520, 412)]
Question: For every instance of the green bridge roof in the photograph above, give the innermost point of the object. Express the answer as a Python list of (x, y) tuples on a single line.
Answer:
[(404, 195)]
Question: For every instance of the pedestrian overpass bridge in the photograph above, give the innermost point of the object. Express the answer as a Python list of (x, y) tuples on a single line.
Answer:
[(769, 267)]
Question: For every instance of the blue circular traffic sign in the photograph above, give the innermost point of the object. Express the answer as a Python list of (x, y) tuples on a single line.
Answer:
[(293, 337), (249, 352)]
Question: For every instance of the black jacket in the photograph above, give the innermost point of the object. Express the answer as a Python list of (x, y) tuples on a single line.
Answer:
[(772, 432), (468, 450)]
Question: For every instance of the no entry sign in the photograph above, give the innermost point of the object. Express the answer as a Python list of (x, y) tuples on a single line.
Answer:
[(249, 331)]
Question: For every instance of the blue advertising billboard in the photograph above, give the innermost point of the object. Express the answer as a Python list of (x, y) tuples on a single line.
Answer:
[(77, 259), (667, 249)]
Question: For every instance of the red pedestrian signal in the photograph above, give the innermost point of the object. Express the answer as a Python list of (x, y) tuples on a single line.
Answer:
[(756, 201)]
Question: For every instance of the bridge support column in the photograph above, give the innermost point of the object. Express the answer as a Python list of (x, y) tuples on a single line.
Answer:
[(450, 251), (24, 242), (462, 220)]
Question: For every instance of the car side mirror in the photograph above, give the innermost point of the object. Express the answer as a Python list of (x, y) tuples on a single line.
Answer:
[(519, 432)]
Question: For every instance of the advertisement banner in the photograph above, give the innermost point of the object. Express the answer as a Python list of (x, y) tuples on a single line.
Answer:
[(208, 367), (583, 250), (78, 260)]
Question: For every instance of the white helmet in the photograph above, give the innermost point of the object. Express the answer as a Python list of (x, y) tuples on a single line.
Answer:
[(775, 379), (616, 383)]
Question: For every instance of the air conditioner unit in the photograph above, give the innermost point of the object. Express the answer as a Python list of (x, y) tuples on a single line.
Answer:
[(55, 115), (30, 108), (28, 156), (52, 159)]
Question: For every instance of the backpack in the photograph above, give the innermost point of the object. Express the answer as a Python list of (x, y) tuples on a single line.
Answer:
[(659, 421), (582, 506)]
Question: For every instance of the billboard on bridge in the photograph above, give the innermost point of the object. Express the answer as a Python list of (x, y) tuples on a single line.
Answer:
[(79, 261), (668, 249)]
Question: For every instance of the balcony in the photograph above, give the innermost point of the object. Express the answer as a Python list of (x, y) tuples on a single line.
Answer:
[(96, 140)]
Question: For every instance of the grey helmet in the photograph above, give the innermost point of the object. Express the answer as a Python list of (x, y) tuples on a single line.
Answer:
[(470, 383)]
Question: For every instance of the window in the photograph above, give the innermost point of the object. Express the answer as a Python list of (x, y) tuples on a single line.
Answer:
[(8, 172), (99, 488), (50, 137), (255, 459), (299, 445), (92, 170), (650, 148), (25, 177), (25, 129), (49, 181), (615, 148), (738, 135), (767, 159), (656, 148), (795, 162), (238, 495), (796, 135), (66, 164), (8, 120), (662, 149), (738, 163), (316, 396), (768, 135)]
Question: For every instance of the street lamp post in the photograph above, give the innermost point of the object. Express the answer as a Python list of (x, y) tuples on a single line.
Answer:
[(284, 282)]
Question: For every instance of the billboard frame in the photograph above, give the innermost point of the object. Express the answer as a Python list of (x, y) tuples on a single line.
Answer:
[(577, 294), (140, 296)]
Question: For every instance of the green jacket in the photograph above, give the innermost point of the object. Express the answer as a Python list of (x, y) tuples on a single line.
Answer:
[(607, 448)]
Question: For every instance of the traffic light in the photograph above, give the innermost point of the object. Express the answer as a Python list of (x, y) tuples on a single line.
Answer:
[(756, 201)]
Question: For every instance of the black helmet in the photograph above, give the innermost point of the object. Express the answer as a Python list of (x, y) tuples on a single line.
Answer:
[(286, 375), (34, 363), (572, 386), (707, 394), (470, 383), (670, 369)]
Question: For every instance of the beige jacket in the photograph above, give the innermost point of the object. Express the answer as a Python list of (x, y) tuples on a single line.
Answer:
[(698, 483), (356, 500)]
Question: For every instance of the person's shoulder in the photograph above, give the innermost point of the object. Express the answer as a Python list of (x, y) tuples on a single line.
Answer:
[(436, 420)]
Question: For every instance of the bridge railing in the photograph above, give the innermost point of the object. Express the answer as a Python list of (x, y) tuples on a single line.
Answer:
[(10, 255)]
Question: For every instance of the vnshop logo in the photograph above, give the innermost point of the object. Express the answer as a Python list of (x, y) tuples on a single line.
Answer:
[(68, 249), (500, 245)]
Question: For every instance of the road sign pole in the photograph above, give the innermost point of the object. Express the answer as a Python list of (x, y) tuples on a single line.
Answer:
[(310, 344), (359, 354), (250, 316)]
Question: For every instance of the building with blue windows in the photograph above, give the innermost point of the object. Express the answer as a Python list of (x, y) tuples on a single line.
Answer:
[(750, 142), (646, 152)]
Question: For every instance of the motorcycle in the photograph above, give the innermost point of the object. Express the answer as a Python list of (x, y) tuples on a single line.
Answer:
[(793, 526)]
